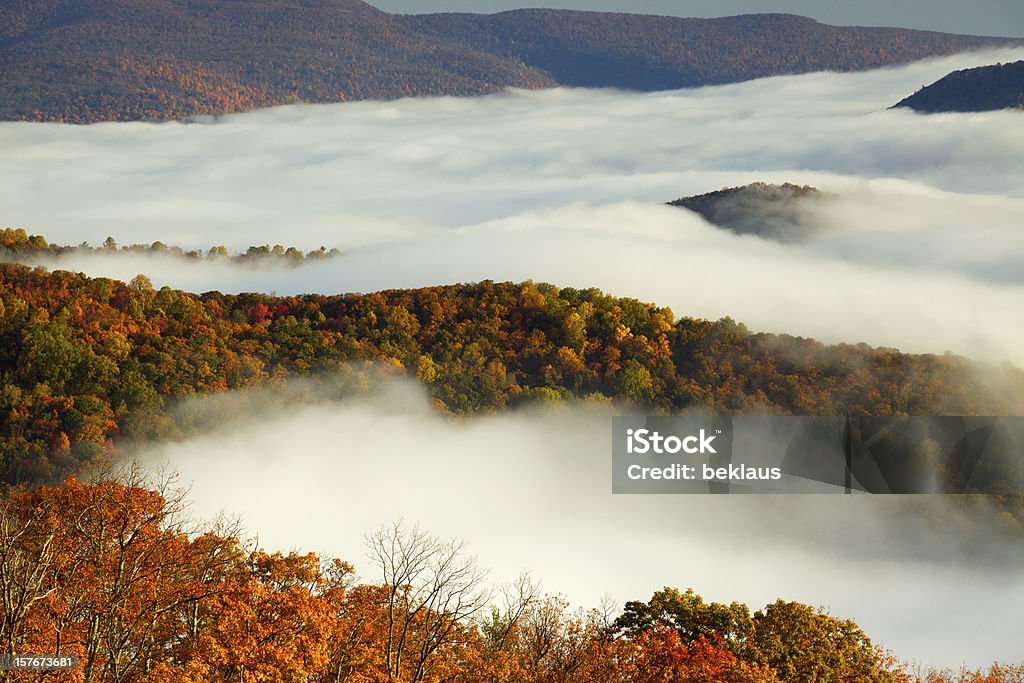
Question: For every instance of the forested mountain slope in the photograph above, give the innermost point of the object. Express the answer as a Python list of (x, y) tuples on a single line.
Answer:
[(86, 363), (93, 60)]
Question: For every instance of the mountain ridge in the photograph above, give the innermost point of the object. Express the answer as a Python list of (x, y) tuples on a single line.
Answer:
[(760, 45), (87, 363), (84, 61)]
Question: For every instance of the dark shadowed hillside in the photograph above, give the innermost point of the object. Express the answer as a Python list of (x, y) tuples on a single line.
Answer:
[(775, 212), (644, 52), (1000, 86), (141, 59), (92, 60)]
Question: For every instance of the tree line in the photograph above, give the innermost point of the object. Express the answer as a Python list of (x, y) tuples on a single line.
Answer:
[(87, 363), (114, 572), (17, 245)]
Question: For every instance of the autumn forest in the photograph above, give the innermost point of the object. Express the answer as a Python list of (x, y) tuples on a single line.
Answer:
[(90, 362), (116, 572), (317, 321)]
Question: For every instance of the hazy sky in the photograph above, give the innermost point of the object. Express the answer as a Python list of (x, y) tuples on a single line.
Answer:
[(981, 17)]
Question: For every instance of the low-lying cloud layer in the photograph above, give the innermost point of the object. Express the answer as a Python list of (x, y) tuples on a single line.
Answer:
[(922, 252), (918, 285), (532, 490)]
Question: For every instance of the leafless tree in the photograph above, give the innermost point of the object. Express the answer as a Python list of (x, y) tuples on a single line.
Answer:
[(28, 552), (516, 598), (433, 586)]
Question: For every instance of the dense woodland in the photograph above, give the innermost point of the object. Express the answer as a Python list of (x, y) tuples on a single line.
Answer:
[(90, 363), (114, 572), (93, 60), (110, 567), (985, 88)]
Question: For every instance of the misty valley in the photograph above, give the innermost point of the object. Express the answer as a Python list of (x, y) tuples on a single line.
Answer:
[(312, 343)]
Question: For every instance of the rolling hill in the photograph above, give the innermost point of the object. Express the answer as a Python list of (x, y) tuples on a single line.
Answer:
[(90, 363), (94, 60)]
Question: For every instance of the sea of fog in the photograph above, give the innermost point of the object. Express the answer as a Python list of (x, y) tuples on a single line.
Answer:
[(922, 250)]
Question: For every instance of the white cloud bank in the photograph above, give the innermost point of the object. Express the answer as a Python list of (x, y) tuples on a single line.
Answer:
[(532, 490)]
